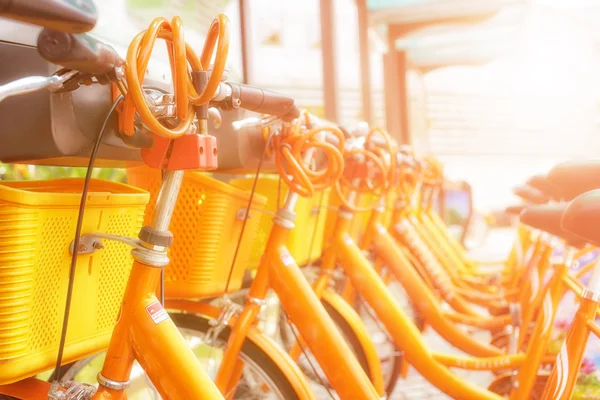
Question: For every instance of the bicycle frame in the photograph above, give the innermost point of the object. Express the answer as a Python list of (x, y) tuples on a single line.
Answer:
[(404, 333), (531, 296), (366, 281), (458, 248), (412, 227), (279, 271), (423, 220), (568, 362), (385, 246), (144, 331), (351, 317), (282, 359)]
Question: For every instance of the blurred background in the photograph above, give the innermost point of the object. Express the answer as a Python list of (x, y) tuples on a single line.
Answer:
[(498, 89)]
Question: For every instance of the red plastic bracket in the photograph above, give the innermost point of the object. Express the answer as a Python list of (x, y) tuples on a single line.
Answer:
[(192, 151)]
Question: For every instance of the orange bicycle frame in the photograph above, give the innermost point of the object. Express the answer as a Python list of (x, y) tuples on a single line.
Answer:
[(279, 271), (404, 333), (568, 362)]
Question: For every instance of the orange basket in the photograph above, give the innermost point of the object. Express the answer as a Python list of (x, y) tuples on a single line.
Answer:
[(206, 226), (37, 226), (309, 225)]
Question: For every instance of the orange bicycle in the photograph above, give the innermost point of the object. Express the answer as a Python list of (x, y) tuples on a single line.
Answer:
[(39, 213), (228, 329)]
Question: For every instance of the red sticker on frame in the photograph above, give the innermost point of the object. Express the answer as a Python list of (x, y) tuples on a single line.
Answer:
[(157, 312)]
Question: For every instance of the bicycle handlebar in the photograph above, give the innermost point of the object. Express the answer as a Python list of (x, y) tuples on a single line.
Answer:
[(32, 84), (78, 52), (61, 15), (259, 100)]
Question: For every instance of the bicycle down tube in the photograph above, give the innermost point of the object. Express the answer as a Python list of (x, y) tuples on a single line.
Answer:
[(279, 271)]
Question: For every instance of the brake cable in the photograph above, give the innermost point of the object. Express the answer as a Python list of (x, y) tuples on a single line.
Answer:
[(86, 183), (247, 212)]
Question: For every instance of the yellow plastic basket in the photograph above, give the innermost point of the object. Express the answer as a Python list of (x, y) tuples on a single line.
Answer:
[(309, 221), (37, 226), (206, 226)]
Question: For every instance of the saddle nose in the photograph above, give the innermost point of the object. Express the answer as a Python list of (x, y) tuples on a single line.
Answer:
[(548, 219), (541, 183), (575, 177), (530, 194), (582, 217)]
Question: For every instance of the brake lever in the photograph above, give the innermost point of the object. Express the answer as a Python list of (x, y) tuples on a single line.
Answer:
[(34, 83)]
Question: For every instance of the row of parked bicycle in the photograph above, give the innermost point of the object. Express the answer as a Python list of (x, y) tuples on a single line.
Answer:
[(314, 276)]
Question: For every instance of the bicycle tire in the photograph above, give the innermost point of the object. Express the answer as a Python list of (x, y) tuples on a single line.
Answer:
[(350, 337), (393, 375), (193, 322), (346, 331)]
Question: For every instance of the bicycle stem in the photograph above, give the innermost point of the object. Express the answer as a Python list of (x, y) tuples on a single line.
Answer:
[(167, 199)]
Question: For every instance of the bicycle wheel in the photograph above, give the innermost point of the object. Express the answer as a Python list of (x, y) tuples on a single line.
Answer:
[(308, 363), (261, 378), (391, 357)]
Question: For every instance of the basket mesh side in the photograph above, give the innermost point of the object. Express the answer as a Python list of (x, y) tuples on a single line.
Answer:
[(115, 268), (206, 232), (34, 270), (187, 228), (214, 213), (261, 235), (56, 234)]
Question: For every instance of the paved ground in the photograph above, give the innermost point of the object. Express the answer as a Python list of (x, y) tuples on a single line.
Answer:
[(416, 387)]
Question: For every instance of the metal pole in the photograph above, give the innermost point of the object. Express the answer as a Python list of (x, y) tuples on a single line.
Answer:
[(328, 56), (396, 95), (244, 15), (391, 99), (365, 64), (402, 72)]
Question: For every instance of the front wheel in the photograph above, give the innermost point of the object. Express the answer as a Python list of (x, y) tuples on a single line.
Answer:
[(261, 378)]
